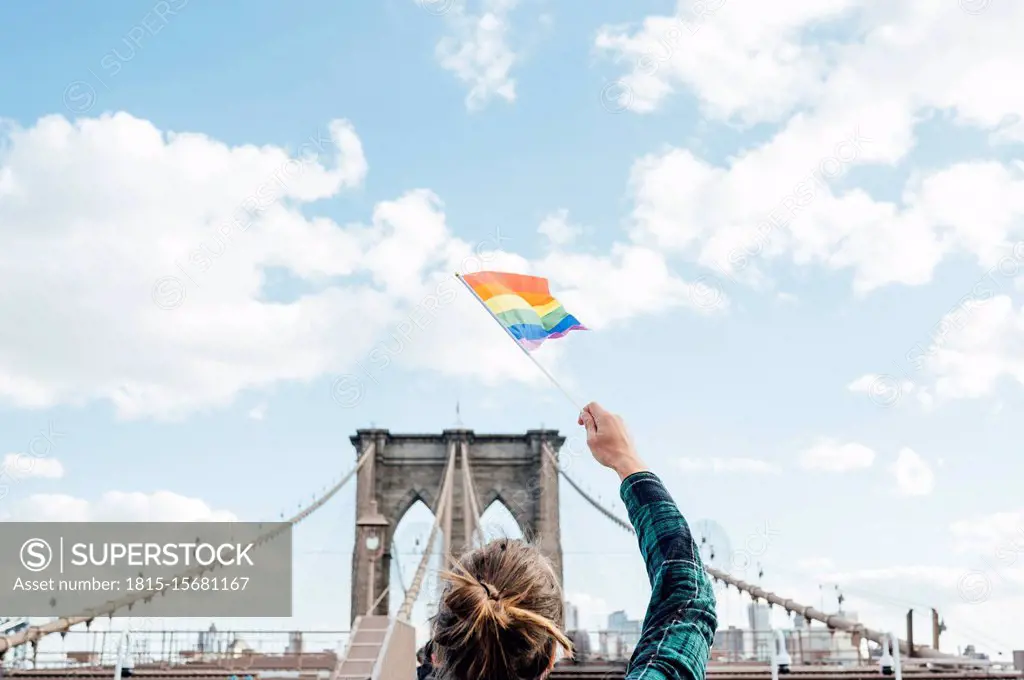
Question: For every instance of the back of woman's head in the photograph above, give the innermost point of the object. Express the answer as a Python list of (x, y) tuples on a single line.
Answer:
[(500, 615)]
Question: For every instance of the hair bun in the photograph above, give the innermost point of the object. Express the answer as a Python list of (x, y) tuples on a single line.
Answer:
[(492, 592), (500, 614)]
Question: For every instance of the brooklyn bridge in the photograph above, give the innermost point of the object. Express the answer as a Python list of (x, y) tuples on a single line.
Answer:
[(456, 474)]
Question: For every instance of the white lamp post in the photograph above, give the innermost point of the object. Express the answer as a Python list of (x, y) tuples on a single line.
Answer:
[(780, 655), (890, 663), (122, 649)]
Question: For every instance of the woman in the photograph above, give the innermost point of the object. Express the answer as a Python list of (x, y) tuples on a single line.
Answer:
[(501, 613)]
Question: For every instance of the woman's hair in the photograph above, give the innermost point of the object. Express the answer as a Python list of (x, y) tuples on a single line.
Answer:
[(500, 615)]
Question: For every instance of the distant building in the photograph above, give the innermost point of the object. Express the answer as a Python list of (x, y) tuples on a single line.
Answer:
[(212, 642), (728, 644), (760, 616), (818, 644), (620, 622), (621, 637), (572, 616)]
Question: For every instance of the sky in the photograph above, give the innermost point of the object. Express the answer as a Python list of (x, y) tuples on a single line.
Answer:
[(793, 229)]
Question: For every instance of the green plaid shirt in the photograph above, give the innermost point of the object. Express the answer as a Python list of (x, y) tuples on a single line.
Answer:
[(680, 625)]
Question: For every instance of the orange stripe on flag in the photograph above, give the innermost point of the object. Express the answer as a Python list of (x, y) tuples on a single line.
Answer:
[(516, 284)]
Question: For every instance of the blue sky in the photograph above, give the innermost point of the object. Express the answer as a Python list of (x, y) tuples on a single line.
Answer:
[(743, 104)]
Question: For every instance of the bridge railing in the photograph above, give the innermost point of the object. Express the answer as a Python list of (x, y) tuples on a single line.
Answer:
[(808, 646), (254, 649)]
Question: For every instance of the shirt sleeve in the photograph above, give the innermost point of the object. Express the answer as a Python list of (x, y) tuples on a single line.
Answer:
[(680, 624)]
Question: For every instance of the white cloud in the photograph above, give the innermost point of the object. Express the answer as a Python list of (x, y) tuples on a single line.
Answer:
[(135, 210), (258, 412), (914, 476), (758, 63), (23, 466), (755, 62), (728, 465), (944, 586), (776, 201), (630, 281), (116, 506), (832, 456), (558, 230), (741, 58), (1000, 532), (978, 344), (478, 53), (936, 575), (134, 203)]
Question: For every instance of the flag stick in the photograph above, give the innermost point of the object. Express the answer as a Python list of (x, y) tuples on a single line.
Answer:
[(572, 400)]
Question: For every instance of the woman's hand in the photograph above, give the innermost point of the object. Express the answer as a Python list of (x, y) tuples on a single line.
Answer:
[(609, 441)]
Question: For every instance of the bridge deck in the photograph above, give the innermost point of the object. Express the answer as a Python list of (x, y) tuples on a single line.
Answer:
[(319, 666)]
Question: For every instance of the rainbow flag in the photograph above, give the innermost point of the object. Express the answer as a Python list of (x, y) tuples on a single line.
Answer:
[(523, 305)]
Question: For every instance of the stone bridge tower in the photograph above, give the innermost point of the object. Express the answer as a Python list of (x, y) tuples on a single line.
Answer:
[(405, 468)]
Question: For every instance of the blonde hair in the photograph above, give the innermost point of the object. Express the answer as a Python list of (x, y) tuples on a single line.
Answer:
[(500, 615)]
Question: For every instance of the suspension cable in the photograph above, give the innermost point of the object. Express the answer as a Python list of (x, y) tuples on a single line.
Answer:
[(34, 633), (478, 527), (603, 510), (405, 611), (469, 492), (398, 566)]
